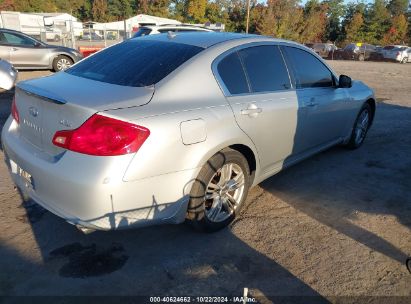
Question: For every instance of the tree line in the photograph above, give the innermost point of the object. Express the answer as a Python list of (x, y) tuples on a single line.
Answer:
[(377, 22)]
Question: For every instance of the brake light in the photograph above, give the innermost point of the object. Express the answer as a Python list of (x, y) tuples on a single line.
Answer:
[(103, 136), (14, 111)]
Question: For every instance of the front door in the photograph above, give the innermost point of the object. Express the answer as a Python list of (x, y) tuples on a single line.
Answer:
[(4, 48), (323, 104), (26, 52)]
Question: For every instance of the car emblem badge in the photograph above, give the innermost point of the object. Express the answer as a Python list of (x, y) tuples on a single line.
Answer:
[(65, 123), (33, 111)]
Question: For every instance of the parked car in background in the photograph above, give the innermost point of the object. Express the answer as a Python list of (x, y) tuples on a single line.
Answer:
[(111, 35), (158, 29), (355, 51), (377, 54), (325, 50), (53, 34), (386, 49), (25, 52), (399, 54), (132, 136), (93, 36)]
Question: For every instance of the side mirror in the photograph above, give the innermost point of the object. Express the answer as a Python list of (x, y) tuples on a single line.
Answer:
[(344, 81), (8, 75)]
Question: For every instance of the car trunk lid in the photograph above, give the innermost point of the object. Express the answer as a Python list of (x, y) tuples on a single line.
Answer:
[(64, 102)]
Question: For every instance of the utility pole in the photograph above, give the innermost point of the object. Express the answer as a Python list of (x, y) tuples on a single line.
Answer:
[(248, 16)]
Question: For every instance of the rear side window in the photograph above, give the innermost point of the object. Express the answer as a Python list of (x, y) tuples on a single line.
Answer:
[(309, 72), (135, 62), (232, 74), (265, 68)]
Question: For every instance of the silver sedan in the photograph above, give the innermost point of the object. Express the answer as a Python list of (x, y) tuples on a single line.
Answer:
[(27, 53), (174, 128)]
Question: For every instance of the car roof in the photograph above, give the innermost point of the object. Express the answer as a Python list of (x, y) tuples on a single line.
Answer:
[(182, 25), (202, 39)]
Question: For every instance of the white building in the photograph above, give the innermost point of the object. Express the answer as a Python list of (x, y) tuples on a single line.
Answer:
[(35, 23), (133, 23)]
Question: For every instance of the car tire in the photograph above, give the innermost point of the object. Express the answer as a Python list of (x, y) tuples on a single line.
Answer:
[(361, 57), (361, 127), (61, 63), (212, 204), (408, 264), (404, 60)]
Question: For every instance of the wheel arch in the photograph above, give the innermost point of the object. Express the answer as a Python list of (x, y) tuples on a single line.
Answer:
[(246, 149), (371, 102), (249, 155), (56, 55)]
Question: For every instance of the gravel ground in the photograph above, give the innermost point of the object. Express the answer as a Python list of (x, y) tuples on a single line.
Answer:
[(336, 226)]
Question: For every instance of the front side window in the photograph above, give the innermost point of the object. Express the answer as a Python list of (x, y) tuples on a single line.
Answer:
[(265, 68), (14, 39), (232, 74), (309, 71), (135, 62)]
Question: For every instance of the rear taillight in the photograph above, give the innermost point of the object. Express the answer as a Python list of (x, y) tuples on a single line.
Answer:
[(14, 111), (103, 136)]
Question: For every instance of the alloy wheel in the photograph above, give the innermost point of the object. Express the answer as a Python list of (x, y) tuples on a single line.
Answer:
[(224, 192), (63, 64), (361, 126)]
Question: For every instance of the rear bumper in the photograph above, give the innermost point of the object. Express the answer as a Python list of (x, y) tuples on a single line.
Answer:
[(90, 191)]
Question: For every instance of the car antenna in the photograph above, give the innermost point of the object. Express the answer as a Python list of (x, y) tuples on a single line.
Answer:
[(171, 35)]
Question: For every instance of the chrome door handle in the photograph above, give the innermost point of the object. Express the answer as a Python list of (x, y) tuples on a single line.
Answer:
[(14, 49), (252, 110)]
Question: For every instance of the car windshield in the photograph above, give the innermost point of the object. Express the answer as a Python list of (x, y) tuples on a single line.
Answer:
[(400, 49), (367, 47), (135, 62), (350, 47)]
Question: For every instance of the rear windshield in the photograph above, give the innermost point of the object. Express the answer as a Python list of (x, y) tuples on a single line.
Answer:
[(135, 62)]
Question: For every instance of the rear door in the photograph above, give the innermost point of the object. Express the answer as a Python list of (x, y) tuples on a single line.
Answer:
[(323, 106), (257, 86)]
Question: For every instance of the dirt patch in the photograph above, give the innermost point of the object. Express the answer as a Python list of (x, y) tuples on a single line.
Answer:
[(87, 261)]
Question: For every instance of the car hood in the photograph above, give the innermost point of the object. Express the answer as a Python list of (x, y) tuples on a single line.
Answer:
[(59, 48), (100, 96)]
